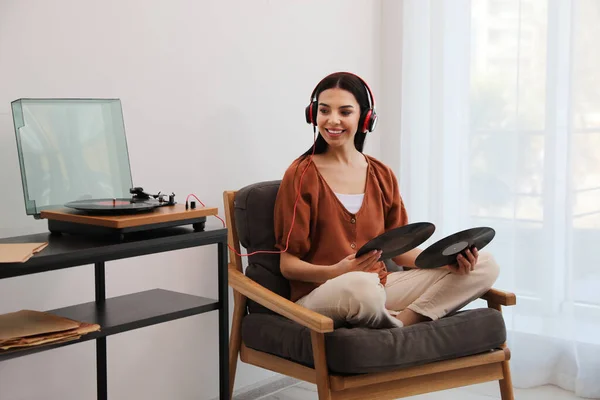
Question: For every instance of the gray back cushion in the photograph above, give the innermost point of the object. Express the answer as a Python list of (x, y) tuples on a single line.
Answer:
[(253, 210)]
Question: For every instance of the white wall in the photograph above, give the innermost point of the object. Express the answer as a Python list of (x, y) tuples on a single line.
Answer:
[(213, 94), (390, 96)]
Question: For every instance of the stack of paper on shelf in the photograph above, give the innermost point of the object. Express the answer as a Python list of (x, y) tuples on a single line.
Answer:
[(19, 252), (28, 328)]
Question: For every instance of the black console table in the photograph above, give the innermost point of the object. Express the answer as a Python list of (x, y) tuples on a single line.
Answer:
[(132, 311)]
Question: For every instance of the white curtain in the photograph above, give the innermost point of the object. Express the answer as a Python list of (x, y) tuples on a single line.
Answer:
[(501, 128)]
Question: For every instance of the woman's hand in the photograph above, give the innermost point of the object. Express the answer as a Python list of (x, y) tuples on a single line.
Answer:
[(464, 264), (366, 262)]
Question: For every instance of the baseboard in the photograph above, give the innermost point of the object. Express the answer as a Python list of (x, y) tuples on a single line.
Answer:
[(263, 388)]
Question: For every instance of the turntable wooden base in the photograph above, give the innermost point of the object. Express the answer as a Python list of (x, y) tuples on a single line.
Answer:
[(79, 222)]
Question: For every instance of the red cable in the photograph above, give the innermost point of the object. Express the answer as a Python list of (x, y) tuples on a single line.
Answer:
[(293, 215), (200, 201)]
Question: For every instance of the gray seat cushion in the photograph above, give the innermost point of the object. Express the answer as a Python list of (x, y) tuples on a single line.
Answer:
[(362, 350)]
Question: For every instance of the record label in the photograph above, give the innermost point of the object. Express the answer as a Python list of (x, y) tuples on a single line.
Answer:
[(455, 248), (113, 203)]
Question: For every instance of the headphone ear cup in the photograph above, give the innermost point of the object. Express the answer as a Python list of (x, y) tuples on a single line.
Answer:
[(311, 113), (365, 121), (372, 121)]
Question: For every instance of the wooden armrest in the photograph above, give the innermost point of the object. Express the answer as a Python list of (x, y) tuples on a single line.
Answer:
[(496, 296), (274, 302)]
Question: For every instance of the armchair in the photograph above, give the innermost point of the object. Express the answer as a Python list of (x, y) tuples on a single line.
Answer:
[(270, 331)]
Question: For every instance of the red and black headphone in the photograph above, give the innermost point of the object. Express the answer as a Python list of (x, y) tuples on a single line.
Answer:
[(368, 118)]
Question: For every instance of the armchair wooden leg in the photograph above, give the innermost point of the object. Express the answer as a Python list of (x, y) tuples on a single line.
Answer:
[(318, 347), (235, 340), (506, 387)]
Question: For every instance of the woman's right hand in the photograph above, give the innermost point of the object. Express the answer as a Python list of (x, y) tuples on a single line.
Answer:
[(366, 262)]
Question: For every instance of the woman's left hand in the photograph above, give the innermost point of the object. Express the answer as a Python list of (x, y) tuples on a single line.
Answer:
[(380, 269), (464, 264)]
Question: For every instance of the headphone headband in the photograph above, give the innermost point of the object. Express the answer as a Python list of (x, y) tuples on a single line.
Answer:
[(368, 118), (369, 92)]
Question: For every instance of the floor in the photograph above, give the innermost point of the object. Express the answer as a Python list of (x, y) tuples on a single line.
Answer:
[(485, 391)]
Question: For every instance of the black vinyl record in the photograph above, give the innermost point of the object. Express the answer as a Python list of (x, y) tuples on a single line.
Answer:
[(113, 206), (398, 240), (444, 251)]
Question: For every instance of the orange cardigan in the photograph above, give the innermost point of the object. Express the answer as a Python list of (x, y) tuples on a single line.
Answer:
[(324, 232)]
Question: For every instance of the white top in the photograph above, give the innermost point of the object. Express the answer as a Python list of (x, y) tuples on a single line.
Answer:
[(352, 202)]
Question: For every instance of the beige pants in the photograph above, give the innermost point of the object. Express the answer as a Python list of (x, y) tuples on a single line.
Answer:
[(360, 299)]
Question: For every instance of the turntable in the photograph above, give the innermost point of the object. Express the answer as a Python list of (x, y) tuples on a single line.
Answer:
[(76, 174)]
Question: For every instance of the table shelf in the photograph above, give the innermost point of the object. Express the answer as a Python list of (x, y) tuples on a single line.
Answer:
[(125, 313)]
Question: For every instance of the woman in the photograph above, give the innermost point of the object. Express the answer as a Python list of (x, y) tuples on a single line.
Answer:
[(332, 200)]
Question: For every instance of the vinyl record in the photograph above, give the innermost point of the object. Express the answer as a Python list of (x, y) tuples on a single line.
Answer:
[(113, 206), (398, 240), (444, 251)]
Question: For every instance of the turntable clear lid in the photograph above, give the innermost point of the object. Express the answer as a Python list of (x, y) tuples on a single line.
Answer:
[(70, 149)]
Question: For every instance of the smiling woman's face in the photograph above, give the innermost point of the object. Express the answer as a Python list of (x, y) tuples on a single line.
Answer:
[(337, 117)]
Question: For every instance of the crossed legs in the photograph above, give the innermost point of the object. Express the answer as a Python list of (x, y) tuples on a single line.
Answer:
[(413, 296)]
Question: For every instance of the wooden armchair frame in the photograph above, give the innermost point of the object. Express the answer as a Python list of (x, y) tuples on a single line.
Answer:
[(403, 382)]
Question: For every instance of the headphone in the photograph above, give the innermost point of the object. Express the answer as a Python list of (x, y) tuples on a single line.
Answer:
[(368, 118)]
